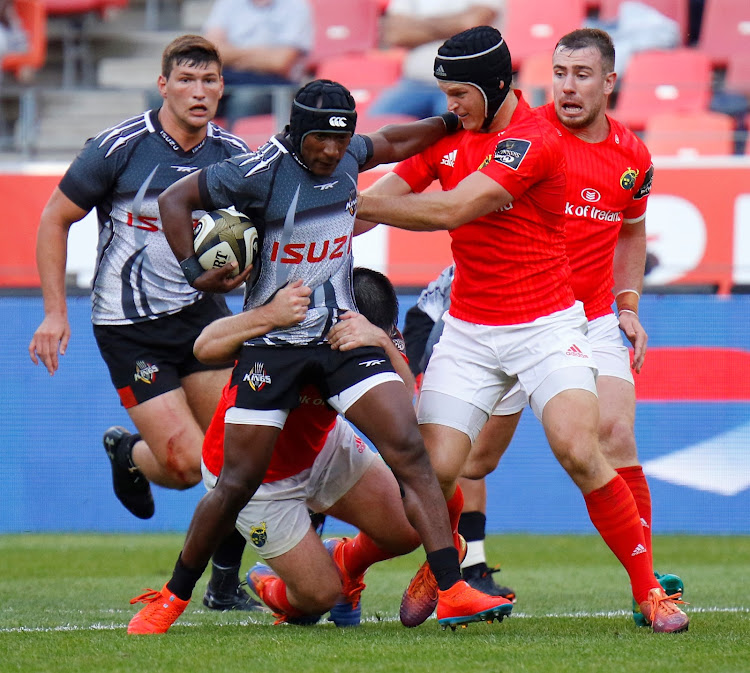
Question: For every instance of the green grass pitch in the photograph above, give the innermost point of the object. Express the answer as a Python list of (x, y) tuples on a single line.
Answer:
[(64, 607)]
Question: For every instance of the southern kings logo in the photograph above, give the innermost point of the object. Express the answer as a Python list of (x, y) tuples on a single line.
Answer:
[(145, 372), (257, 378)]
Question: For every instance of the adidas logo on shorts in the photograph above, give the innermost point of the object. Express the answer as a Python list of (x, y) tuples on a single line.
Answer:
[(576, 352)]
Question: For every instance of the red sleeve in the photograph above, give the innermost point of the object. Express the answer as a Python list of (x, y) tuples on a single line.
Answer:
[(418, 171), (637, 209), (518, 163)]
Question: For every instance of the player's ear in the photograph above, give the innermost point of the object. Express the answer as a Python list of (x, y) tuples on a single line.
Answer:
[(162, 84), (609, 83)]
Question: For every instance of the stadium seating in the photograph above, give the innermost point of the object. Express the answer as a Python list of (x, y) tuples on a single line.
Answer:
[(78, 62), (725, 29), (339, 31), (34, 19), (674, 9), (690, 134), (738, 74), (367, 124), (535, 78), (534, 27), (365, 75), (255, 130), (663, 81)]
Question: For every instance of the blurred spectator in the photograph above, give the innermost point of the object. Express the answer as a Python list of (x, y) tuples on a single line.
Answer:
[(421, 26), (638, 27), (262, 42), (13, 38), (695, 18)]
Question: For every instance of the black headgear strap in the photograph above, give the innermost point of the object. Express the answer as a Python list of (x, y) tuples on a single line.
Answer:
[(480, 57), (322, 106)]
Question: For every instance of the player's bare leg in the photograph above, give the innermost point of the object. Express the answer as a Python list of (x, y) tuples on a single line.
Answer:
[(169, 451), (385, 415), (617, 438), (571, 421), (247, 452)]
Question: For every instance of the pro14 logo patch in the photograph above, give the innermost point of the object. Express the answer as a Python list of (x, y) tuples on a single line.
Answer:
[(645, 189), (511, 152)]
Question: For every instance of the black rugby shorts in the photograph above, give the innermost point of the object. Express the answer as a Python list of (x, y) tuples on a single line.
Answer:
[(271, 377), (149, 358)]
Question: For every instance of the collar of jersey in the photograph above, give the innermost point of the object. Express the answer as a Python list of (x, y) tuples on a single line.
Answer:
[(170, 141)]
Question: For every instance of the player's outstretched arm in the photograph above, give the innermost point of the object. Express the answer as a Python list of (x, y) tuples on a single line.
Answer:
[(475, 196), (53, 334), (355, 331), (221, 340), (176, 206), (396, 142), (389, 184)]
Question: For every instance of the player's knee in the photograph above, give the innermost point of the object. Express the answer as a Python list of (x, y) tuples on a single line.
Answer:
[(183, 471), (478, 466), (406, 452), (618, 441), (180, 458), (318, 597), (578, 456)]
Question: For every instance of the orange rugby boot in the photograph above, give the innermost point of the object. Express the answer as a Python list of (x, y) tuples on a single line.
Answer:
[(161, 611)]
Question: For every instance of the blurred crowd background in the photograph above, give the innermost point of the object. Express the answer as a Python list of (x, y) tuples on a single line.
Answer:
[(73, 67)]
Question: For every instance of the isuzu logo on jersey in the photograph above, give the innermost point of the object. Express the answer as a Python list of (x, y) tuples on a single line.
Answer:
[(337, 122), (590, 194), (312, 252), (511, 152), (145, 371), (628, 178), (257, 379)]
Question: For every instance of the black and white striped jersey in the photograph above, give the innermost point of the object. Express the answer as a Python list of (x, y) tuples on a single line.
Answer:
[(306, 225), (121, 173)]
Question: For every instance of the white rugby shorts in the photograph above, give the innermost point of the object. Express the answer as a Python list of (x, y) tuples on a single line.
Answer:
[(276, 519), (611, 356), (480, 364)]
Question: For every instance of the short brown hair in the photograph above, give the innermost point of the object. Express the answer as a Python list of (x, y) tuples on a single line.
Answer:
[(191, 50), (583, 38)]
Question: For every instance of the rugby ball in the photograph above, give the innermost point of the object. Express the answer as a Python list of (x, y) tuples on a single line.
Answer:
[(224, 236)]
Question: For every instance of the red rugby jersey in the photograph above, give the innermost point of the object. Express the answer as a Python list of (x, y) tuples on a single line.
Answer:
[(298, 444), (607, 183), (511, 265)]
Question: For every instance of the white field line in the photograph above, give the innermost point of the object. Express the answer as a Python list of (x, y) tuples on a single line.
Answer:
[(615, 614)]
